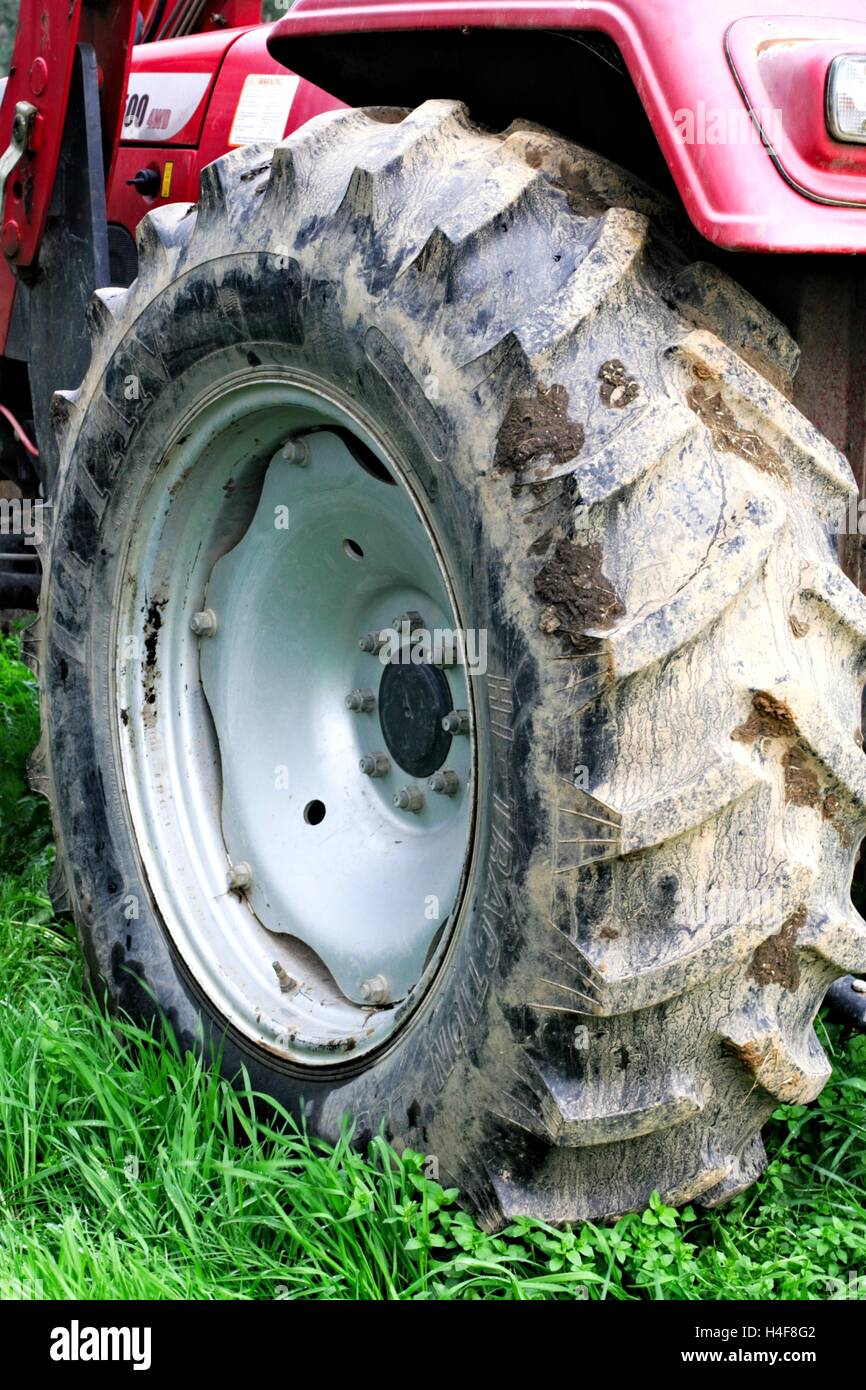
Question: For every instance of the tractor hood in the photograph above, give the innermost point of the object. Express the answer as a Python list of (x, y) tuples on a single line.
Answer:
[(169, 87)]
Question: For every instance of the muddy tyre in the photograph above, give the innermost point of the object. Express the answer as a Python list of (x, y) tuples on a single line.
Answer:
[(660, 790)]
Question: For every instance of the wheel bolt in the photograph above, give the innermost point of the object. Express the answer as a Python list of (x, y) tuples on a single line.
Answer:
[(204, 624), (372, 641), (375, 764), (376, 990), (412, 618), (457, 722), (409, 799), (445, 782), (240, 877), (360, 701), (296, 451)]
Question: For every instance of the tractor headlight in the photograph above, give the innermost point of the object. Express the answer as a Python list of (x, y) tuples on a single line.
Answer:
[(846, 98)]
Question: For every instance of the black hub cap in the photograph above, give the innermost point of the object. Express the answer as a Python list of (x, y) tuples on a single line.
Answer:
[(413, 701)]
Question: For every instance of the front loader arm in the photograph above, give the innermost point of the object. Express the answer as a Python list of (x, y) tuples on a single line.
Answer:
[(33, 117), (61, 120)]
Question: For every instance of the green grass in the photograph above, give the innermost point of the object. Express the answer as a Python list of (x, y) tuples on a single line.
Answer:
[(130, 1171)]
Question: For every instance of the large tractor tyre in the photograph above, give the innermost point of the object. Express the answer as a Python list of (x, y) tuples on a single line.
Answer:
[(568, 927)]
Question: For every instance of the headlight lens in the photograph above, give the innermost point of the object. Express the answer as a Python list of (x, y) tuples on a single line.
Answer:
[(846, 98)]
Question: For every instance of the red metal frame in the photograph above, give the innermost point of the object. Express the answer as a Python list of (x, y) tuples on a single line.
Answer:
[(40, 74)]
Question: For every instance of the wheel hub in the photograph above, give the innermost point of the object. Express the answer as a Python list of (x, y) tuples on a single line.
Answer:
[(364, 869), (413, 701)]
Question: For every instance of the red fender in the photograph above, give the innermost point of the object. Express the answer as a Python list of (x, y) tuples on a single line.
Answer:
[(770, 181)]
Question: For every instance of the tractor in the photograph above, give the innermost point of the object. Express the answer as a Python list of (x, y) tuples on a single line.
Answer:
[(436, 432)]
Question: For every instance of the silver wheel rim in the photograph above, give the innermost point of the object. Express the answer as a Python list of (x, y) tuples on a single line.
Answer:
[(307, 848)]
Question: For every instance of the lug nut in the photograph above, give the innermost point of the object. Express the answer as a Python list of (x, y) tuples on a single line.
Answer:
[(859, 986), (457, 722), (409, 799), (376, 990), (204, 624), (412, 618), (445, 782), (360, 701), (372, 641), (375, 764), (240, 877), (296, 451)]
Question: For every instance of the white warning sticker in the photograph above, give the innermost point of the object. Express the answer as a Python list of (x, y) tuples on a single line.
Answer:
[(263, 109)]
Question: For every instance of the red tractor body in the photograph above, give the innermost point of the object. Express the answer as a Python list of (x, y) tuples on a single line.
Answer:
[(190, 100)]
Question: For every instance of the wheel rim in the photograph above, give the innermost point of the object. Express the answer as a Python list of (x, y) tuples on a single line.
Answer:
[(279, 734)]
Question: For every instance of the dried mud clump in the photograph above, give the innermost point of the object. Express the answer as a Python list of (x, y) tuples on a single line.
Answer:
[(801, 781), (775, 961), (617, 389), (538, 427), (831, 810), (731, 437), (575, 591), (573, 178), (152, 625), (770, 718)]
